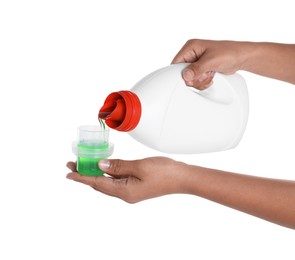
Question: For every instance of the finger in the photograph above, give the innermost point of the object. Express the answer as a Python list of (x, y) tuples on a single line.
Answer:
[(186, 55), (100, 183), (198, 74), (88, 180), (71, 166), (121, 168), (192, 81), (190, 52), (205, 83), (198, 68)]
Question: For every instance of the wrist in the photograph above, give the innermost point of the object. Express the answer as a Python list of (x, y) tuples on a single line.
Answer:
[(250, 52), (187, 182)]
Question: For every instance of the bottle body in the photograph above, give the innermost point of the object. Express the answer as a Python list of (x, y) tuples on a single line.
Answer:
[(177, 119)]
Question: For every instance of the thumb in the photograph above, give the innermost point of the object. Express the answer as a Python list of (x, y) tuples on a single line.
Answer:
[(197, 74), (111, 186), (118, 168)]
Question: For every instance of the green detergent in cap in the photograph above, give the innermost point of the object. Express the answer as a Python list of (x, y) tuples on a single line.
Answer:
[(92, 145)]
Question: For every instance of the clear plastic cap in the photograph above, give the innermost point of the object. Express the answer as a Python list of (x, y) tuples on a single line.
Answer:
[(93, 135), (93, 142)]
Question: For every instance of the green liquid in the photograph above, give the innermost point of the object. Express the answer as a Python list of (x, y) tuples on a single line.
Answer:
[(89, 166), (102, 123)]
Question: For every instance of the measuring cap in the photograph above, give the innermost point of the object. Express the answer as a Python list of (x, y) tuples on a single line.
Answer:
[(121, 110), (91, 146)]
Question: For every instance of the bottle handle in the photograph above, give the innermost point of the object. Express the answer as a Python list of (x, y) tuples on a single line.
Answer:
[(221, 91)]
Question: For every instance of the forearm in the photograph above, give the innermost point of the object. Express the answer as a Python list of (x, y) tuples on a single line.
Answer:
[(272, 60), (269, 199)]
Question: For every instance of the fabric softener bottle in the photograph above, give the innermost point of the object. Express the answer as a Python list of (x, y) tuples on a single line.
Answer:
[(161, 112)]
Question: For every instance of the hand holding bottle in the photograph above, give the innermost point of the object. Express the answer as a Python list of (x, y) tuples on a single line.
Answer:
[(272, 60)]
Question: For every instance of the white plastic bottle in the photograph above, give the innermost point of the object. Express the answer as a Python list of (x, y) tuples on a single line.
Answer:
[(160, 111)]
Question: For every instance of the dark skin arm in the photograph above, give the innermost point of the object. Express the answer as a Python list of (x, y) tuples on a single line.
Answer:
[(134, 181), (269, 199)]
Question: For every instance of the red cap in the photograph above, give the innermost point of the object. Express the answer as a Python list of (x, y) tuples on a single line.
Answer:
[(121, 110)]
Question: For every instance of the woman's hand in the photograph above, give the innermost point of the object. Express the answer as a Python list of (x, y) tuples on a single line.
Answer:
[(137, 180), (208, 57), (134, 181), (273, 60)]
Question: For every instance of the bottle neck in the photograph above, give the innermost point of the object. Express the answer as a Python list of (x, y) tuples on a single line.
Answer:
[(121, 110)]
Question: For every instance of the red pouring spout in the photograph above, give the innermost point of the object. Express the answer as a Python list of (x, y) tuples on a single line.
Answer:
[(121, 110)]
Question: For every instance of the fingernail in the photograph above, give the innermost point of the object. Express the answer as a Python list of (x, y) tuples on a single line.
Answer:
[(104, 164), (203, 77), (188, 74)]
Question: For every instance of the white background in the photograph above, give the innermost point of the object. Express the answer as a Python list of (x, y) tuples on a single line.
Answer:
[(59, 60)]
